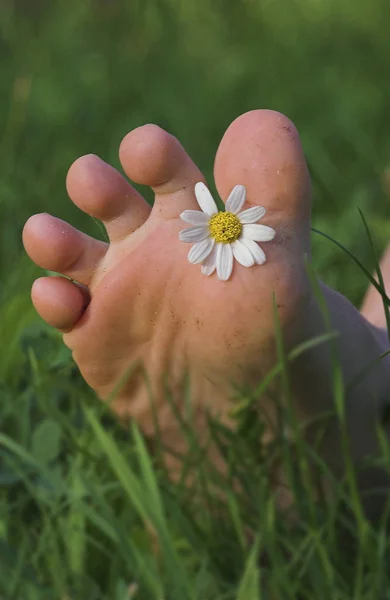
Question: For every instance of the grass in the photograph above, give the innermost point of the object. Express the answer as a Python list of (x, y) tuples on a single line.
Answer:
[(84, 511)]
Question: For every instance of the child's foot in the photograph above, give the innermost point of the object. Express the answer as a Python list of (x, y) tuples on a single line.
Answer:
[(143, 301)]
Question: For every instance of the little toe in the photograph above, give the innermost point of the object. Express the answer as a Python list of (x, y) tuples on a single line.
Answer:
[(59, 301), (262, 151), (151, 156), (56, 246), (102, 192)]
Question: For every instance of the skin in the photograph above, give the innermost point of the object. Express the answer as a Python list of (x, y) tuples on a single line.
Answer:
[(139, 299)]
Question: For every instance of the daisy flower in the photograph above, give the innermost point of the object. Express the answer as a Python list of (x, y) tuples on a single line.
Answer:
[(218, 237)]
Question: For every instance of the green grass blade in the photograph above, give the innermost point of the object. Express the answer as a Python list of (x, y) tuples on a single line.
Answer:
[(249, 587), (370, 278), (146, 507)]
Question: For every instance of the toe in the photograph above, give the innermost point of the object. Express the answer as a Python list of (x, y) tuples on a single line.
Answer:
[(100, 190), (60, 302), (56, 246), (372, 307), (151, 156), (261, 150)]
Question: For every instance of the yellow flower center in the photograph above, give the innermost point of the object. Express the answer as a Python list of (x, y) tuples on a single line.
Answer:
[(225, 227)]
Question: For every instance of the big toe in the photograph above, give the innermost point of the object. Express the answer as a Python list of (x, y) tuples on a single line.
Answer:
[(261, 150)]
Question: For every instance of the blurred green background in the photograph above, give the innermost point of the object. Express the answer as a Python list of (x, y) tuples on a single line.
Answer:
[(77, 75)]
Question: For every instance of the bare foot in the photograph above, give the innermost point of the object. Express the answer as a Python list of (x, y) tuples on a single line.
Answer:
[(148, 303), (141, 300)]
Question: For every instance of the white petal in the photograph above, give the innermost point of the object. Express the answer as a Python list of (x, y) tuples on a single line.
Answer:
[(205, 199), (255, 250), (194, 217), (251, 215), (259, 233), (201, 250), (236, 199), (242, 254), (194, 234), (210, 263), (224, 261)]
